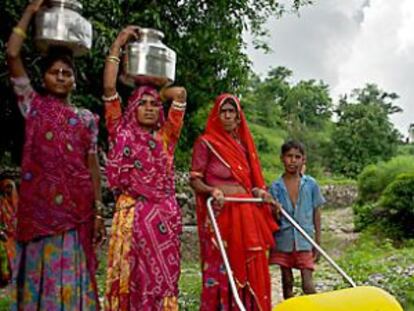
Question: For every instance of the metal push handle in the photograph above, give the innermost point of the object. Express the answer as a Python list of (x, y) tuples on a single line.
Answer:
[(290, 219), (224, 255)]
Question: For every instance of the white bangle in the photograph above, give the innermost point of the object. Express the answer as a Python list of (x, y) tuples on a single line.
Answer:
[(178, 105), (110, 98)]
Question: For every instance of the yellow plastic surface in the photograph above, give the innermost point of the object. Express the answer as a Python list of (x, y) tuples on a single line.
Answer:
[(363, 298)]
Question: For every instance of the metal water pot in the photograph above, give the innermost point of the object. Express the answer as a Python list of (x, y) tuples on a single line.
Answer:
[(60, 23), (149, 61)]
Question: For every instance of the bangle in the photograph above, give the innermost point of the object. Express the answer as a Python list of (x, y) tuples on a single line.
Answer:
[(110, 98), (178, 106), (20, 32), (113, 59)]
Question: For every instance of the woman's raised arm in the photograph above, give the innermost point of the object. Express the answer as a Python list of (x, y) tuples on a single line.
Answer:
[(14, 45), (112, 60)]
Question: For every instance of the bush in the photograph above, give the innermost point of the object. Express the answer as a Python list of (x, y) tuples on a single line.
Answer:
[(375, 178), (364, 215), (397, 201)]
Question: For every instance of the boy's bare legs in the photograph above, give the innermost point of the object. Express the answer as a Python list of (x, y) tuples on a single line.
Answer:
[(287, 282), (307, 282)]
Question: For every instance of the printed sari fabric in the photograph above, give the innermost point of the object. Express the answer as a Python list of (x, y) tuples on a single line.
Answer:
[(55, 214), (246, 228), (144, 249), (8, 208)]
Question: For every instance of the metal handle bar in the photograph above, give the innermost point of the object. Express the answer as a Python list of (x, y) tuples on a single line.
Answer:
[(304, 234), (224, 256), (290, 219)]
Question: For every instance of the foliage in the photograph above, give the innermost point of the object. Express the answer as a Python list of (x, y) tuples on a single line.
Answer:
[(405, 149), (207, 37), (190, 286), (385, 195), (268, 142), (375, 261), (375, 178), (302, 110), (364, 134), (397, 201)]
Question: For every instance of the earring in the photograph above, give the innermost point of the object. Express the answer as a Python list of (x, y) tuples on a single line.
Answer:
[(74, 86)]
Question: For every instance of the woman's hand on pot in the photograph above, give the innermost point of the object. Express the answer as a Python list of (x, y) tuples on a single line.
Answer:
[(128, 33), (218, 196), (176, 93)]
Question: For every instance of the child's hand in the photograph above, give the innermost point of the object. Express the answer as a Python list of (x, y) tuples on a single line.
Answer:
[(276, 209)]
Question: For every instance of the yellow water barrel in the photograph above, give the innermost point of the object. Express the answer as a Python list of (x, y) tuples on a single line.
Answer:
[(361, 298)]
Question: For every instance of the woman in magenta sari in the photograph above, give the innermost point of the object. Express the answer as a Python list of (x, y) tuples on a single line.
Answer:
[(56, 219), (144, 249)]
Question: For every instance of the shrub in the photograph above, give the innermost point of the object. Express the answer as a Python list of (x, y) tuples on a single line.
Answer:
[(364, 215), (397, 201), (375, 178)]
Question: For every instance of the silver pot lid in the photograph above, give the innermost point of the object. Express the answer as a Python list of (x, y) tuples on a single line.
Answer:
[(72, 4), (151, 33)]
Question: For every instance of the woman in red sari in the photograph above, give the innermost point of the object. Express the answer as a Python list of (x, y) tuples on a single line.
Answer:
[(225, 163)]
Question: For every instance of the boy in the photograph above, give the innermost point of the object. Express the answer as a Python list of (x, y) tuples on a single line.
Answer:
[(300, 196)]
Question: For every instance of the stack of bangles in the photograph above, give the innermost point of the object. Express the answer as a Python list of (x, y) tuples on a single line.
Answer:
[(113, 59), (99, 208), (20, 32), (110, 98)]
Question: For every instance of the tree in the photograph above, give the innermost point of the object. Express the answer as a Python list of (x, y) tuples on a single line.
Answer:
[(207, 36), (364, 134), (309, 103)]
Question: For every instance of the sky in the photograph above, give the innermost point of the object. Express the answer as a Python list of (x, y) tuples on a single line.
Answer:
[(347, 43)]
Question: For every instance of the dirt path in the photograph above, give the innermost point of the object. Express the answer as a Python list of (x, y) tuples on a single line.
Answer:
[(337, 234)]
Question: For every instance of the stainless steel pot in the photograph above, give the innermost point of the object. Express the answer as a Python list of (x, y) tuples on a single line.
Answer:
[(149, 61), (61, 24)]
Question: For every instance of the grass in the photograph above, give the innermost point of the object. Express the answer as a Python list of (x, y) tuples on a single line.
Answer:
[(374, 260)]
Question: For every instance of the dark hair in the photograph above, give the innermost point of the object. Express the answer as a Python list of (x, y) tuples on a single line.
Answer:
[(292, 144), (55, 54)]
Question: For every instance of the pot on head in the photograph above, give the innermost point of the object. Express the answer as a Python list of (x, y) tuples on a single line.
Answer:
[(149, 61), (60, 23)]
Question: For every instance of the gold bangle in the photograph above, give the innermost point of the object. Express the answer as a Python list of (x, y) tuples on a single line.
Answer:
[(113, 59), (20, 32)]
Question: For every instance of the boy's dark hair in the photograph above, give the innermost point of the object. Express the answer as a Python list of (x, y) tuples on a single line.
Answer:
[(292, 144), (57, 53)]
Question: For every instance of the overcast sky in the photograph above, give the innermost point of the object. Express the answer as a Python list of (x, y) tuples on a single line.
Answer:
[(348, 43)]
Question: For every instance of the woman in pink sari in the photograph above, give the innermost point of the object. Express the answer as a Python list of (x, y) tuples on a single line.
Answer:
[(56, 219), (144, 249)]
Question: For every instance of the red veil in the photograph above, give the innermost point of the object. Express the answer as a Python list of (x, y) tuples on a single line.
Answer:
[(246, 228)]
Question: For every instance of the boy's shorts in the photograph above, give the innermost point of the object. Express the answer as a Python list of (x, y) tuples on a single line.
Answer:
[(297, 259)]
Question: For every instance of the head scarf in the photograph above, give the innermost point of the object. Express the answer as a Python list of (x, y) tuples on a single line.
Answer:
[(246, 170), (136, 159)]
